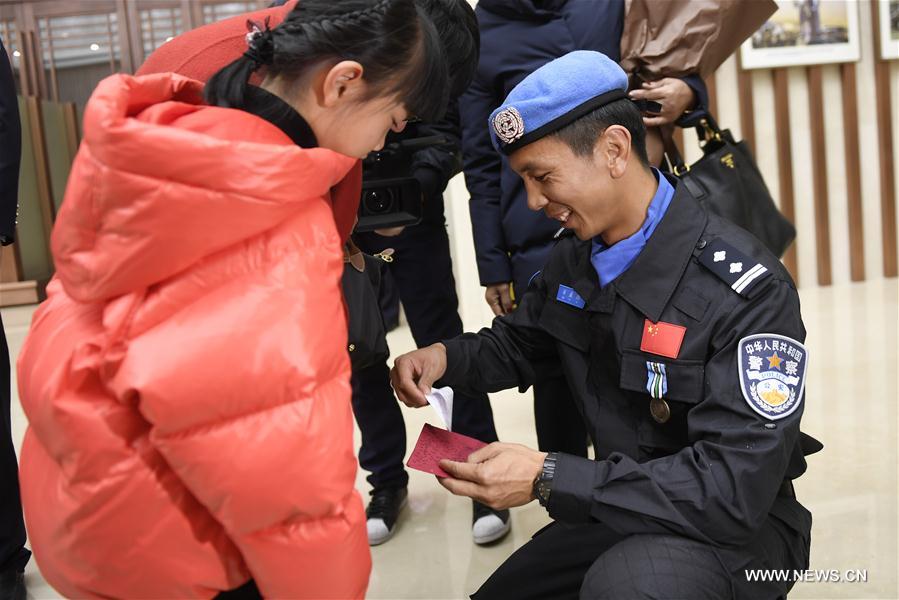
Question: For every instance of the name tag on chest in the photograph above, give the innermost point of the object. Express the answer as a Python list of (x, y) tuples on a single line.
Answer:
[(568, 296)]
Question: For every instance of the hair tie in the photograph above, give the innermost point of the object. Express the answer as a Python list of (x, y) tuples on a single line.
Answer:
[(260, 43)]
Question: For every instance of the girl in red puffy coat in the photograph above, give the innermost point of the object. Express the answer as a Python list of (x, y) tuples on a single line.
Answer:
[(187, 382)]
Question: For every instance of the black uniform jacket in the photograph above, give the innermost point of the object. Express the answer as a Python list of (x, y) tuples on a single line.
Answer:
[(716, 469)]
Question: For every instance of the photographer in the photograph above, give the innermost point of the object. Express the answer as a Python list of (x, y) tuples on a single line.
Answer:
[(423, 272)]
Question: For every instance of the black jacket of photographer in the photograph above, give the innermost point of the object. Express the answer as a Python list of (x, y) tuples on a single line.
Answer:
[(434, 166)]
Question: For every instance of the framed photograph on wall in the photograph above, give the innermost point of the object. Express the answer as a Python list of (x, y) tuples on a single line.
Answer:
[(889, 29), (805, 32)]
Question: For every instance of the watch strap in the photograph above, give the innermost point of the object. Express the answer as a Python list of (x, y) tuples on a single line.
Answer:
[(543, 484)]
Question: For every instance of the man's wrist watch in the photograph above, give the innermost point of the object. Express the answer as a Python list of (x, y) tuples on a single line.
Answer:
[(543, 485)]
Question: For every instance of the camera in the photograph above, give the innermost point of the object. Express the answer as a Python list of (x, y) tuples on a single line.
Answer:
[(391, 196)]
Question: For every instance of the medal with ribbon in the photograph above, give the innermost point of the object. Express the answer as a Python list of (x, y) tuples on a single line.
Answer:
[(657, 386)]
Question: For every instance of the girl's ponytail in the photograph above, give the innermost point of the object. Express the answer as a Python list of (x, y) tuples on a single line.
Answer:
[(228, 86)]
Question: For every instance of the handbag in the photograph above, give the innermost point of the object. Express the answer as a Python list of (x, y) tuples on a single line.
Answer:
[(728, 183), (367, 339)]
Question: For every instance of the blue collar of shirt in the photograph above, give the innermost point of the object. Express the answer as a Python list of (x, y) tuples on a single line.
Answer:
[(611, 261)]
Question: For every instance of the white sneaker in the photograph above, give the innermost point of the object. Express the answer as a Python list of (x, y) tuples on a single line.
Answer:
[(488, 525), (378, 532), (382, 514)]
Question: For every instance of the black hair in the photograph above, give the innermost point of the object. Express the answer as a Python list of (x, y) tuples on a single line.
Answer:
[(396, 44), (457, 27), (581, 135)]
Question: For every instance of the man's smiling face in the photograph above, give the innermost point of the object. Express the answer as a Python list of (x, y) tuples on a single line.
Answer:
[(574, 190)]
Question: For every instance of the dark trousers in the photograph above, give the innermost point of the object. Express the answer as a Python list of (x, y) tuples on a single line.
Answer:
[(560, 426), (389, 301), (423, 273), (592, 562), (13, 555)]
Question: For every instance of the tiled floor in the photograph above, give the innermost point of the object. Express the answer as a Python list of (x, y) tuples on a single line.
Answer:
[(851, 487)]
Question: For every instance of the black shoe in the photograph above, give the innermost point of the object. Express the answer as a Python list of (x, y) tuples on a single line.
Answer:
[(488, 525), (382, 513), (12, 585)]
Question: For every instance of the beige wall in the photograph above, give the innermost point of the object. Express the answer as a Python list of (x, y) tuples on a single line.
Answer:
[(475, 312)]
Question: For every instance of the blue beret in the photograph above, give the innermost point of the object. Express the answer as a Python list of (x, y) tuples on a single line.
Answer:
[(556, 94)]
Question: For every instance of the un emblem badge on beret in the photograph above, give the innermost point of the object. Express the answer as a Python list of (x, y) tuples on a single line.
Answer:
[(772, 373), (508, 125)]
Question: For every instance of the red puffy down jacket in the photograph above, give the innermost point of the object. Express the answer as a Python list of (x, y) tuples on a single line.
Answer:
[(187, 381)]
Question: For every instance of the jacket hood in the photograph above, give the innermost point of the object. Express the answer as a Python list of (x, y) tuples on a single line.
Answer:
[(524, 10), (162, 181)]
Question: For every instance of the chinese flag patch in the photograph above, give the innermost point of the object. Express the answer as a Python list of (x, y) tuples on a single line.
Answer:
[(662, 338)]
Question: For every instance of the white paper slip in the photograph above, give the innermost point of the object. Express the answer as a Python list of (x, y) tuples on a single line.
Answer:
[(442, 401)]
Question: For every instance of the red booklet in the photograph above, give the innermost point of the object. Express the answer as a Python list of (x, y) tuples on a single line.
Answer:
[(435, 444)]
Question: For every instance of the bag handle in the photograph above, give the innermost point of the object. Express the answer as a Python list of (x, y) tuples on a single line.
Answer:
[(675, 160), (707, 130)]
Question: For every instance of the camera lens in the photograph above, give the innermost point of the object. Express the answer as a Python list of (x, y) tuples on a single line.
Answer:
[(379, 201)]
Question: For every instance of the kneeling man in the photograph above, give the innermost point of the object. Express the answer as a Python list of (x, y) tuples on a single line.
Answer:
[(682, 339)]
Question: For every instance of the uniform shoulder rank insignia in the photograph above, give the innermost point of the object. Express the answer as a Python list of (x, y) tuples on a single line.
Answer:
[(772, 373), (741, 272)]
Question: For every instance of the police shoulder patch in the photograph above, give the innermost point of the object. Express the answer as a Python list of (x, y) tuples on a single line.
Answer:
[(772, 373), (741, 272)]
